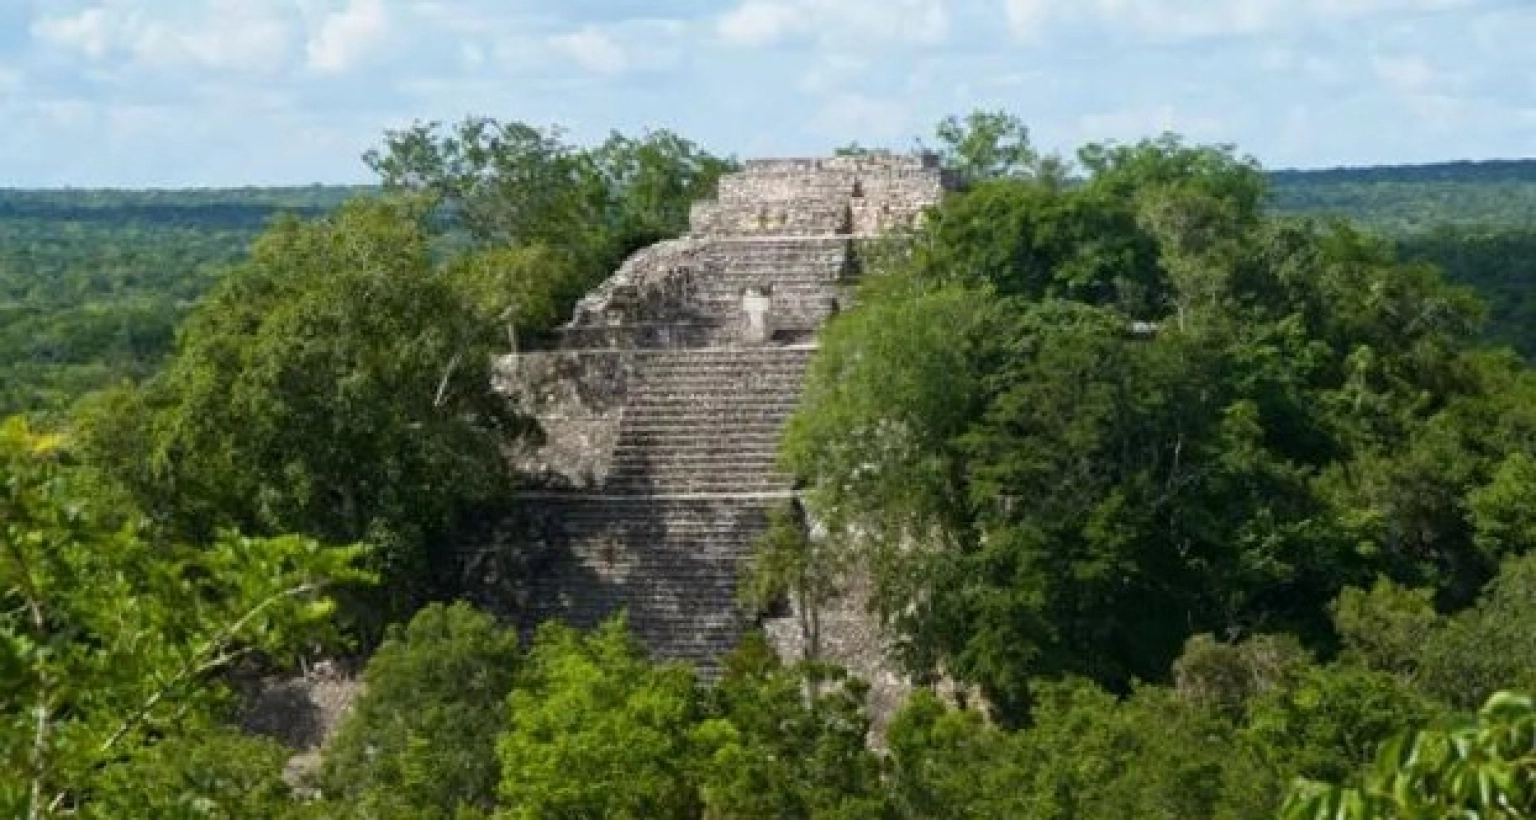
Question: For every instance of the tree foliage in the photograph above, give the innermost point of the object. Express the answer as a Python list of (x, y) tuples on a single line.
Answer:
[(1482, 769), (772, 747), (985, 145), (336, 384), (421, 740), (596, 731), (1068, 408), (510, 183), (111, 641)]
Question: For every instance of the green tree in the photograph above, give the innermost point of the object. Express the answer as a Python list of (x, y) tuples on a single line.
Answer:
[(789, 564), (1481, 769), (650, 183), (1387, 627), (1090, 755), (1331, 720), (112, 642), (336, 384), (772, 750), (986, 145), (1076, 424), (501, 183), (1225, 678), (1486, 647), (951, 763), (511, 183), (421, 740), (596, 730), (216, 772)]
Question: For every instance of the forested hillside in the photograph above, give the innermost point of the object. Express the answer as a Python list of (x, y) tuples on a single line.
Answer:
[(1198, 510), (1476, 221), (93, 283), (1410, 199)]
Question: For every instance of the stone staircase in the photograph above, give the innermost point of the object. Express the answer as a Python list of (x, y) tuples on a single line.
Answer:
[(707, 422), (663, 405), (671, 564), (666, 535)]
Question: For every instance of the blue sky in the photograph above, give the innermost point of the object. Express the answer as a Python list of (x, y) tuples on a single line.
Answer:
[(230, 92)]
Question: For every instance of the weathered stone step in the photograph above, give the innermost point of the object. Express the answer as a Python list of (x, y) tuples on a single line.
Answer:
[(745, 396), (608, 523), (589, 522), (659, 433), (764, 383), (760, 385), (637, 438), (719, 469), (742, 393), (758, 458), (719, 354), (723, 304), (705, 414), (701, 479), (716, 471), (761, 422), (756, 452), (641, 485), (721, 367), (704, 422), (708, 410), (700, 454), (737, 244), (725, 301), (786, 269)]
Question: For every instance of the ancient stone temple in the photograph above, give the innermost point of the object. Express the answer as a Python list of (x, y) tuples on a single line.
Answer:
[(661, 407)]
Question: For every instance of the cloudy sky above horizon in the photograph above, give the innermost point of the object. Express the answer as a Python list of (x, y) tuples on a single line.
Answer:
[(231, 92)]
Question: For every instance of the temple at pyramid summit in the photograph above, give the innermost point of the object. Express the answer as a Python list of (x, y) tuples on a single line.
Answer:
[(660, 407)]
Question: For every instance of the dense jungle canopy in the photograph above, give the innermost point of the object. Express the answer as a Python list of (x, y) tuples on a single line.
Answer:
[(1208, 492)]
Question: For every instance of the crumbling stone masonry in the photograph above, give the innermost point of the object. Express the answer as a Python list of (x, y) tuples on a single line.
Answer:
[(662, 405)]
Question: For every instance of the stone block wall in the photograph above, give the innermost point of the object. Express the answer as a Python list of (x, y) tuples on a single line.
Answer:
[(578, 397)]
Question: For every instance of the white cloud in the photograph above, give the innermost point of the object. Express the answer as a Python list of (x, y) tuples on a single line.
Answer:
[(216, 34), (1188, 19), (229, 35), (348, 36), (757, 22), (91, 32), (1027, 18), (592, 49), (858, 23)]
